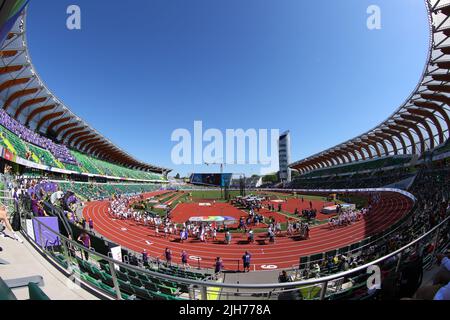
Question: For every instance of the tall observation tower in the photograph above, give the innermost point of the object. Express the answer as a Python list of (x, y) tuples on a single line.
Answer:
[(285, 156)]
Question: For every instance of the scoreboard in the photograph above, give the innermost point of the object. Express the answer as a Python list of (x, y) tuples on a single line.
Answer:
[(212, 179)]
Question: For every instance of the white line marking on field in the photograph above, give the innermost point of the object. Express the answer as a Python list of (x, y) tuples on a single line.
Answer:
[(195, 258), (269, 267)]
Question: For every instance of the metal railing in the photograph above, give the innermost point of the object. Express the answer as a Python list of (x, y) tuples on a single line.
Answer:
[(319, 288)]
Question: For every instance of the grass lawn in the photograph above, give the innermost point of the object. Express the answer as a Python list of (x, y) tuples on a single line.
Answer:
[(360, 202), (211, 194), (288, 196), (182, 199), (167, 198)]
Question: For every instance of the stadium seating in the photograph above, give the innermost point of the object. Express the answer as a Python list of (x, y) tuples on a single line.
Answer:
[(23, 133), (97, 166), (99, 191), (44, 156), (130, 283), (74, 168), (378, 164), (20, 148), (5, 291), (83, 163), (371, 179), (35, 293), (136, 285), (442, 149), (118, 171), (13, 143)]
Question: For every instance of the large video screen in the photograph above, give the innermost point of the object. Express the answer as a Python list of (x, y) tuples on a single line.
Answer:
[(212, 179)]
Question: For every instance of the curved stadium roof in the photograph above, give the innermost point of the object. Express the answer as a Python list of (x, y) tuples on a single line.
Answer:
[(421, 124), (25, 97)]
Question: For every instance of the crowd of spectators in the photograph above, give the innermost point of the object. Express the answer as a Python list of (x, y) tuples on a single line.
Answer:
[(61, 152), (38, 193), (355, 181), (431, 188)]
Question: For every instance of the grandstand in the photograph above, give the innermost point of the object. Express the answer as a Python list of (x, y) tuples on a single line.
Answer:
[(252, 182), (123, 230), (31, 114), (367, 166), (92, 191)]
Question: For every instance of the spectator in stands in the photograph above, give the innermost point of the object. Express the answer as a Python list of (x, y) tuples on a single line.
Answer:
[(61, 152), (283, 277), (85, 240), (411, 275), (329, 265), (16, 199), (4, 219), (315, 272), (37, 207), (443, 275), (443, 293), (440, 290)]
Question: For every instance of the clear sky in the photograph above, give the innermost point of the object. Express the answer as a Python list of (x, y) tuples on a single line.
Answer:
[(139, 69)]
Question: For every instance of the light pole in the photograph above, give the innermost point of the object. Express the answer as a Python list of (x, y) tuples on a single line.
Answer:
[(221, 176)]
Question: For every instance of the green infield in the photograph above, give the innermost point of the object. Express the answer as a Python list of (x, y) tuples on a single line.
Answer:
[(211, 194), (190, 196)]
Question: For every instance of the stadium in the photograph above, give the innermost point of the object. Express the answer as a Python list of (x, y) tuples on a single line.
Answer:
[(82, 219)]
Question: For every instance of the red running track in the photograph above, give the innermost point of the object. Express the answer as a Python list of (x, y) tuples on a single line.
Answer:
[(291, 204), (284, 253)]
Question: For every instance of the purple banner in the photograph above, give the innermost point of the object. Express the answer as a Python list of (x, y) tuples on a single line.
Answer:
[(49, 238)]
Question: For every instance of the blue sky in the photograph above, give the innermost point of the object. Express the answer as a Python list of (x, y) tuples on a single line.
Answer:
[(138, 70)]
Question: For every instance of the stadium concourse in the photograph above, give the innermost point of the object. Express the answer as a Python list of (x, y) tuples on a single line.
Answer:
[(284, 253)]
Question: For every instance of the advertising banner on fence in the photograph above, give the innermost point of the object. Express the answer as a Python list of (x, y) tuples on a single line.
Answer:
[(9, 155), (45, 230), (116, 254), (30, 229)]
